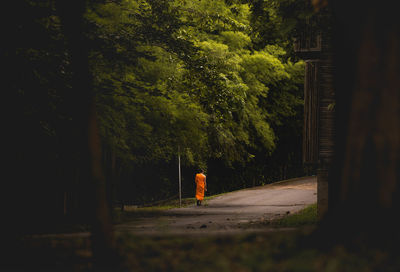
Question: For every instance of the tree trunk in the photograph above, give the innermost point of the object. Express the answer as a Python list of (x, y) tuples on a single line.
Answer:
[(88, 140), (112, 179), (364, 190)]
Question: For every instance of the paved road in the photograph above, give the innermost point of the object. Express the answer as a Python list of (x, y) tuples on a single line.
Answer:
[(232, 211)]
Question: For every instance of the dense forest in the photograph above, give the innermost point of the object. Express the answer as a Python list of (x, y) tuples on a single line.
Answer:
[(214, 82), (101, 98)]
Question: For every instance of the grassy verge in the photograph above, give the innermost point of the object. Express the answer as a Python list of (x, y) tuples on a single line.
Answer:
[(130, 213), (307, 216), (277, 251), (280, 251)]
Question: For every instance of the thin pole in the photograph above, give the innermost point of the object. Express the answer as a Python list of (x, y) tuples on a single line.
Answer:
[(179, 172)]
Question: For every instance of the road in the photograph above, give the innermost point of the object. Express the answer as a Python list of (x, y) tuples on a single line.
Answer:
[(233, 211)]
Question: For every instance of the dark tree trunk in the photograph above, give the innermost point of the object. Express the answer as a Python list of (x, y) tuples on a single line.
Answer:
[(88, 143), (364, 187), (112, 178)]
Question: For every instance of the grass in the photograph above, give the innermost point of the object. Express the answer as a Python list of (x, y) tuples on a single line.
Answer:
[(304, 218), (307, 216), (131, 213), (280, 250), (249, 252)]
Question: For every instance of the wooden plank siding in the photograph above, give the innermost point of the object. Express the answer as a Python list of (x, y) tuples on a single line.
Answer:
[(311, 113), (319, 97), (326, 112), (326, 127)]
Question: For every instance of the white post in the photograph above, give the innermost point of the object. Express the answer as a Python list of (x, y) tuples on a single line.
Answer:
[(179, 172)]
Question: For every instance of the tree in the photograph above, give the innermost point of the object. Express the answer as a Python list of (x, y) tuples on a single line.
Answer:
[(363, 200), (88, 143), (188, 88), (159, 75)]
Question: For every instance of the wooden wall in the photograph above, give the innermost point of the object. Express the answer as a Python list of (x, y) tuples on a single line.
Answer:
[(319, 98), (311, 113)]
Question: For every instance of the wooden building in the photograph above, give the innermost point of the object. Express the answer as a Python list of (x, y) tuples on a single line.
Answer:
[(314, 46)]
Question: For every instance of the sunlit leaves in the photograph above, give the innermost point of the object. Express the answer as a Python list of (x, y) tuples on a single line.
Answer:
[(190, 79), (235, 40)]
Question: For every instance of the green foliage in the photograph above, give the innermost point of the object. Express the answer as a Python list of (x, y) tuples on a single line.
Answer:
[(201, 77)]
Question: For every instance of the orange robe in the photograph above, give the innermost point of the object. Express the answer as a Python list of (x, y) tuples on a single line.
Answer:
[(200, 186)]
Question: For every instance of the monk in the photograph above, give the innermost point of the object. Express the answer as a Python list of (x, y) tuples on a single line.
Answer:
[(201, 186)]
